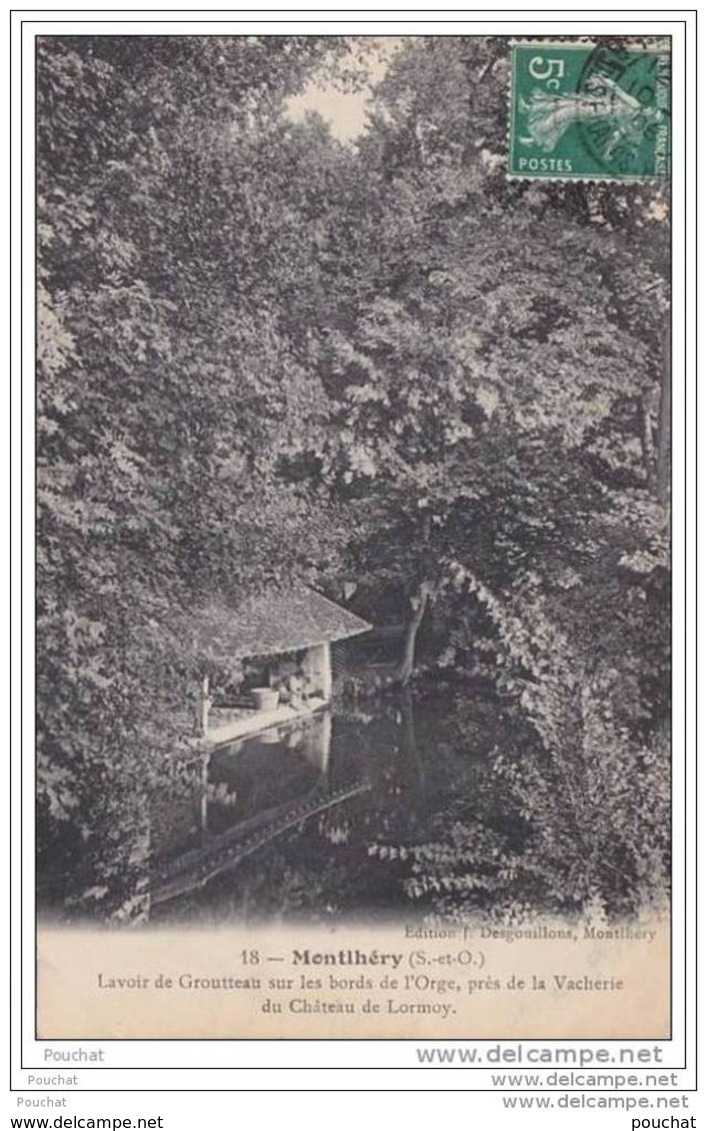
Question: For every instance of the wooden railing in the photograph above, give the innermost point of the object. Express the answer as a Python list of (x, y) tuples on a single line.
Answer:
[(196, 868)]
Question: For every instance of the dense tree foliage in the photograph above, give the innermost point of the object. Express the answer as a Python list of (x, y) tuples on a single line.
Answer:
[(168, 387), (267, 356)]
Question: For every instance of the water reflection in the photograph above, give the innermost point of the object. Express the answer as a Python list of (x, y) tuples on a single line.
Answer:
[(443, 803), (291, 814), (249, 793), (310, 793)]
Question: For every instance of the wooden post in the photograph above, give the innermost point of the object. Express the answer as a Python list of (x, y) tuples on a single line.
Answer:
[(203, 705), (316, 668), (326, 677)]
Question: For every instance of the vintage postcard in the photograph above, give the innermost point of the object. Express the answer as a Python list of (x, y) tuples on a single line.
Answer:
[(353, 474)]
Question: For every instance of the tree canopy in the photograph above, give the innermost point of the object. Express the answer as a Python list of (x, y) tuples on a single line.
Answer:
[(267, 356)]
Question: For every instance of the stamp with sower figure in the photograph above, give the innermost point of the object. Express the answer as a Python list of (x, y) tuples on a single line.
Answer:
[(589, 112)]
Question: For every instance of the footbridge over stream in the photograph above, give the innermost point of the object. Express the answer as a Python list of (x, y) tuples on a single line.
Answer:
[(224, 852)]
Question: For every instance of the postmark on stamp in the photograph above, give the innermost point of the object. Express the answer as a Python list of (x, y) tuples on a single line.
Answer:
[(589, 112)]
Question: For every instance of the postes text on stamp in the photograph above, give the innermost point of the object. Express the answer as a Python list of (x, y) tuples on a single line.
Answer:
[(589, 112)]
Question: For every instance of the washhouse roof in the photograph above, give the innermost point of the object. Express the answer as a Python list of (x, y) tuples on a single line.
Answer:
[(270, 624)]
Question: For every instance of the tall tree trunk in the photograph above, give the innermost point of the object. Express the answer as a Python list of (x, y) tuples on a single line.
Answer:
[(410, 746), (664, 423), (407, 662)]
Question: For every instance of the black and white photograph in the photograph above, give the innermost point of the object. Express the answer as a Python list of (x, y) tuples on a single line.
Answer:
[(353, 490)]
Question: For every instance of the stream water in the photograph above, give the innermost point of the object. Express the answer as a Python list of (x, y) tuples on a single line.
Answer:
[(319, 819)]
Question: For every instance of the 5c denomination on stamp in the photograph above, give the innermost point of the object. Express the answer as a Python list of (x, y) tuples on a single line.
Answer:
[(589, 112)]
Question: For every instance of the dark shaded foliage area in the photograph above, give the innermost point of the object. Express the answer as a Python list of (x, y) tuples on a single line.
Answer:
[(266, 357)]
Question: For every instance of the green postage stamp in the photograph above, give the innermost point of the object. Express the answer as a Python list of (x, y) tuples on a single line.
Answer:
[(589, 112)]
